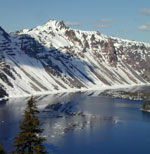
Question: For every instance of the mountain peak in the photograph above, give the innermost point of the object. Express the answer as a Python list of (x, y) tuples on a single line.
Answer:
[(54, 57), (4, 33), (1, 30), (50, 21), (55, 23)]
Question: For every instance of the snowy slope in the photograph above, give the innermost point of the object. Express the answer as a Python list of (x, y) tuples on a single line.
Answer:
[(54, 57)]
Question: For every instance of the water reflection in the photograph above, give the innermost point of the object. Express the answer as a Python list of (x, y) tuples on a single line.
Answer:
[(80, 120), (146, 115)]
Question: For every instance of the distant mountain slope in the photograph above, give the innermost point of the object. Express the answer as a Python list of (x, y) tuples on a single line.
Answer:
[(54, 57)]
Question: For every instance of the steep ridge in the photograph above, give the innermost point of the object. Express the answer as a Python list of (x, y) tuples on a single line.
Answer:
[(54, 57)]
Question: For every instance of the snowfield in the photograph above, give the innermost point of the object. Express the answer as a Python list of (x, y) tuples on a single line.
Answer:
[(54, 58)]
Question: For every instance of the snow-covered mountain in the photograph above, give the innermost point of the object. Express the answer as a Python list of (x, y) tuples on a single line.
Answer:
[(54, 57)]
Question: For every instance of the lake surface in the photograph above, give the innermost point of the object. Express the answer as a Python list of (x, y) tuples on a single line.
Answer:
[(81, 123)]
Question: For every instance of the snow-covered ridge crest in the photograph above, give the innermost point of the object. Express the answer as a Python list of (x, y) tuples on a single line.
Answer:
[(54, 57)]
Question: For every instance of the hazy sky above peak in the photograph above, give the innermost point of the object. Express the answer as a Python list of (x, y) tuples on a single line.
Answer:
[(126, 19)]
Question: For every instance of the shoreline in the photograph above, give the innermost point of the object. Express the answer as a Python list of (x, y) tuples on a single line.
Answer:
[(103, 88), (145, 110)]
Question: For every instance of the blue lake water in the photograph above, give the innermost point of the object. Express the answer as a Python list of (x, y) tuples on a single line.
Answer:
[(82, 123)]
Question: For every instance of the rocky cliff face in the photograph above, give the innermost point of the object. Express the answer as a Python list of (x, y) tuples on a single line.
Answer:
[(54, 57)]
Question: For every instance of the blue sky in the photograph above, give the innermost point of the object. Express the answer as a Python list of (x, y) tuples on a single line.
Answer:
[(128, 19)]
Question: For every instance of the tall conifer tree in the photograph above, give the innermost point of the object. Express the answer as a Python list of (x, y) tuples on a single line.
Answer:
[(2, 151), (28, 140)]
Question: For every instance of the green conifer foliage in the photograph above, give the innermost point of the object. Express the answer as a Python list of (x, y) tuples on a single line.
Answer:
[(28, 140), (2, 151)]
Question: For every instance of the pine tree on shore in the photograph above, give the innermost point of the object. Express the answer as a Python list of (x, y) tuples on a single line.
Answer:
[(2, 151), (28, 140)]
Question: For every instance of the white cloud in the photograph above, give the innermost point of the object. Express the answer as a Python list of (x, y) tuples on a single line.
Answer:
[(69, 23), (104, 23), (125, 31), (103, 26), (106, 20), (145, 27), (144, 11)]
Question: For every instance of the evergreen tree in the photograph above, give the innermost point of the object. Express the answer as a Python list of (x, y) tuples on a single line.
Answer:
[(28, 140), (2, 151)]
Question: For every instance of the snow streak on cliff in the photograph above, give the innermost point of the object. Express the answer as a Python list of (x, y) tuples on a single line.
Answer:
[(54, 57)]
